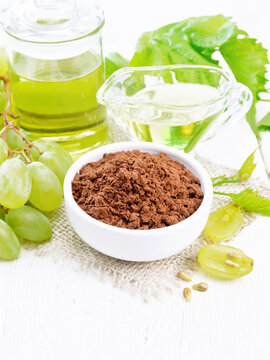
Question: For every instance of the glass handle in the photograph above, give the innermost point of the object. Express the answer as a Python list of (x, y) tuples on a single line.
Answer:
[(238, 105)]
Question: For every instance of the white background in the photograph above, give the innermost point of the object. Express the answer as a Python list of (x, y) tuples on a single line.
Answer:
[(49, 312), (126, 20)]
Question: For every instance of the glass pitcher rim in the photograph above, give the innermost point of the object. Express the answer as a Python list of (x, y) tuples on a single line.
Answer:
[(133, 100)]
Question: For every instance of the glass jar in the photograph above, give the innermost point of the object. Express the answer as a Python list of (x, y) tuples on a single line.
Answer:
[(54, 49)]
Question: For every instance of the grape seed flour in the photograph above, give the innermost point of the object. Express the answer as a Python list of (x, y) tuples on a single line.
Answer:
[(137, 190)]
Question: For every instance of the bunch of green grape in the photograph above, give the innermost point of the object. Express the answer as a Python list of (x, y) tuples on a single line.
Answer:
[(28, 187)]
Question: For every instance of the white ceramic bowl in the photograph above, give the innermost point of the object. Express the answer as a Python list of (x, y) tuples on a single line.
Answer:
[(138, 245)]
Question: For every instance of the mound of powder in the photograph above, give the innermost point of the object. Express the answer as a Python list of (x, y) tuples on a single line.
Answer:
[(137, 190)]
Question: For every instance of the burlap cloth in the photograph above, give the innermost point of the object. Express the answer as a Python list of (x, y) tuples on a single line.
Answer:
[(147, 279)]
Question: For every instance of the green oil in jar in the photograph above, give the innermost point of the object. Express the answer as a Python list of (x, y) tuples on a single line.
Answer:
[(57, 100)]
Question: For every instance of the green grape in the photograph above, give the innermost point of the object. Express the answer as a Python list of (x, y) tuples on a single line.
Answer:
[(224, 262), (9, 243), (46, 193), (57, 163), (3, 151), (223, 223), (34, 153), (29, 223), (46, 145), (19, 156), (15, 141), (15, 183), (3, 61)]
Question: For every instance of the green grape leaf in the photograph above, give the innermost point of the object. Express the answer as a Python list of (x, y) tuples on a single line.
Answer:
[(243, 174), (264, 124), (113, 62), (247, 168), (247, 60), (195, 40), (203, 32), (211, 31), (155, 52), (251, 119), (249, 200), (184, 53)]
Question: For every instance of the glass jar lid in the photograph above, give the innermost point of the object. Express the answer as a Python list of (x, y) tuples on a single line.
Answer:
[(50, 21)]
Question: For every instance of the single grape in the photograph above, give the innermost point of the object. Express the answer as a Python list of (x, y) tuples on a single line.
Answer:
[(47, 145), (29, 223), (34, 153), (3, 61), (223, 223), (224, 262), (9, 243), (19, 156), (15, 141), (57, 163), (3, 151), (46, 193), (15, 183)]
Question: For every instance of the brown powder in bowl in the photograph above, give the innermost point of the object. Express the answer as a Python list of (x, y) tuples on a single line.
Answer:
[(137, 190)]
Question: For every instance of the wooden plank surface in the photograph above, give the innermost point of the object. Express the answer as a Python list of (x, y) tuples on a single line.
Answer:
[(49, 312)]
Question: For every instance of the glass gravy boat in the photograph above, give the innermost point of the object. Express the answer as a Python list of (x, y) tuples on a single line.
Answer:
[(175, 105)]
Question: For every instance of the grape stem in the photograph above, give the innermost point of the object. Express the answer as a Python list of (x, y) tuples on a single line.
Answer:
[(9, 124)]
